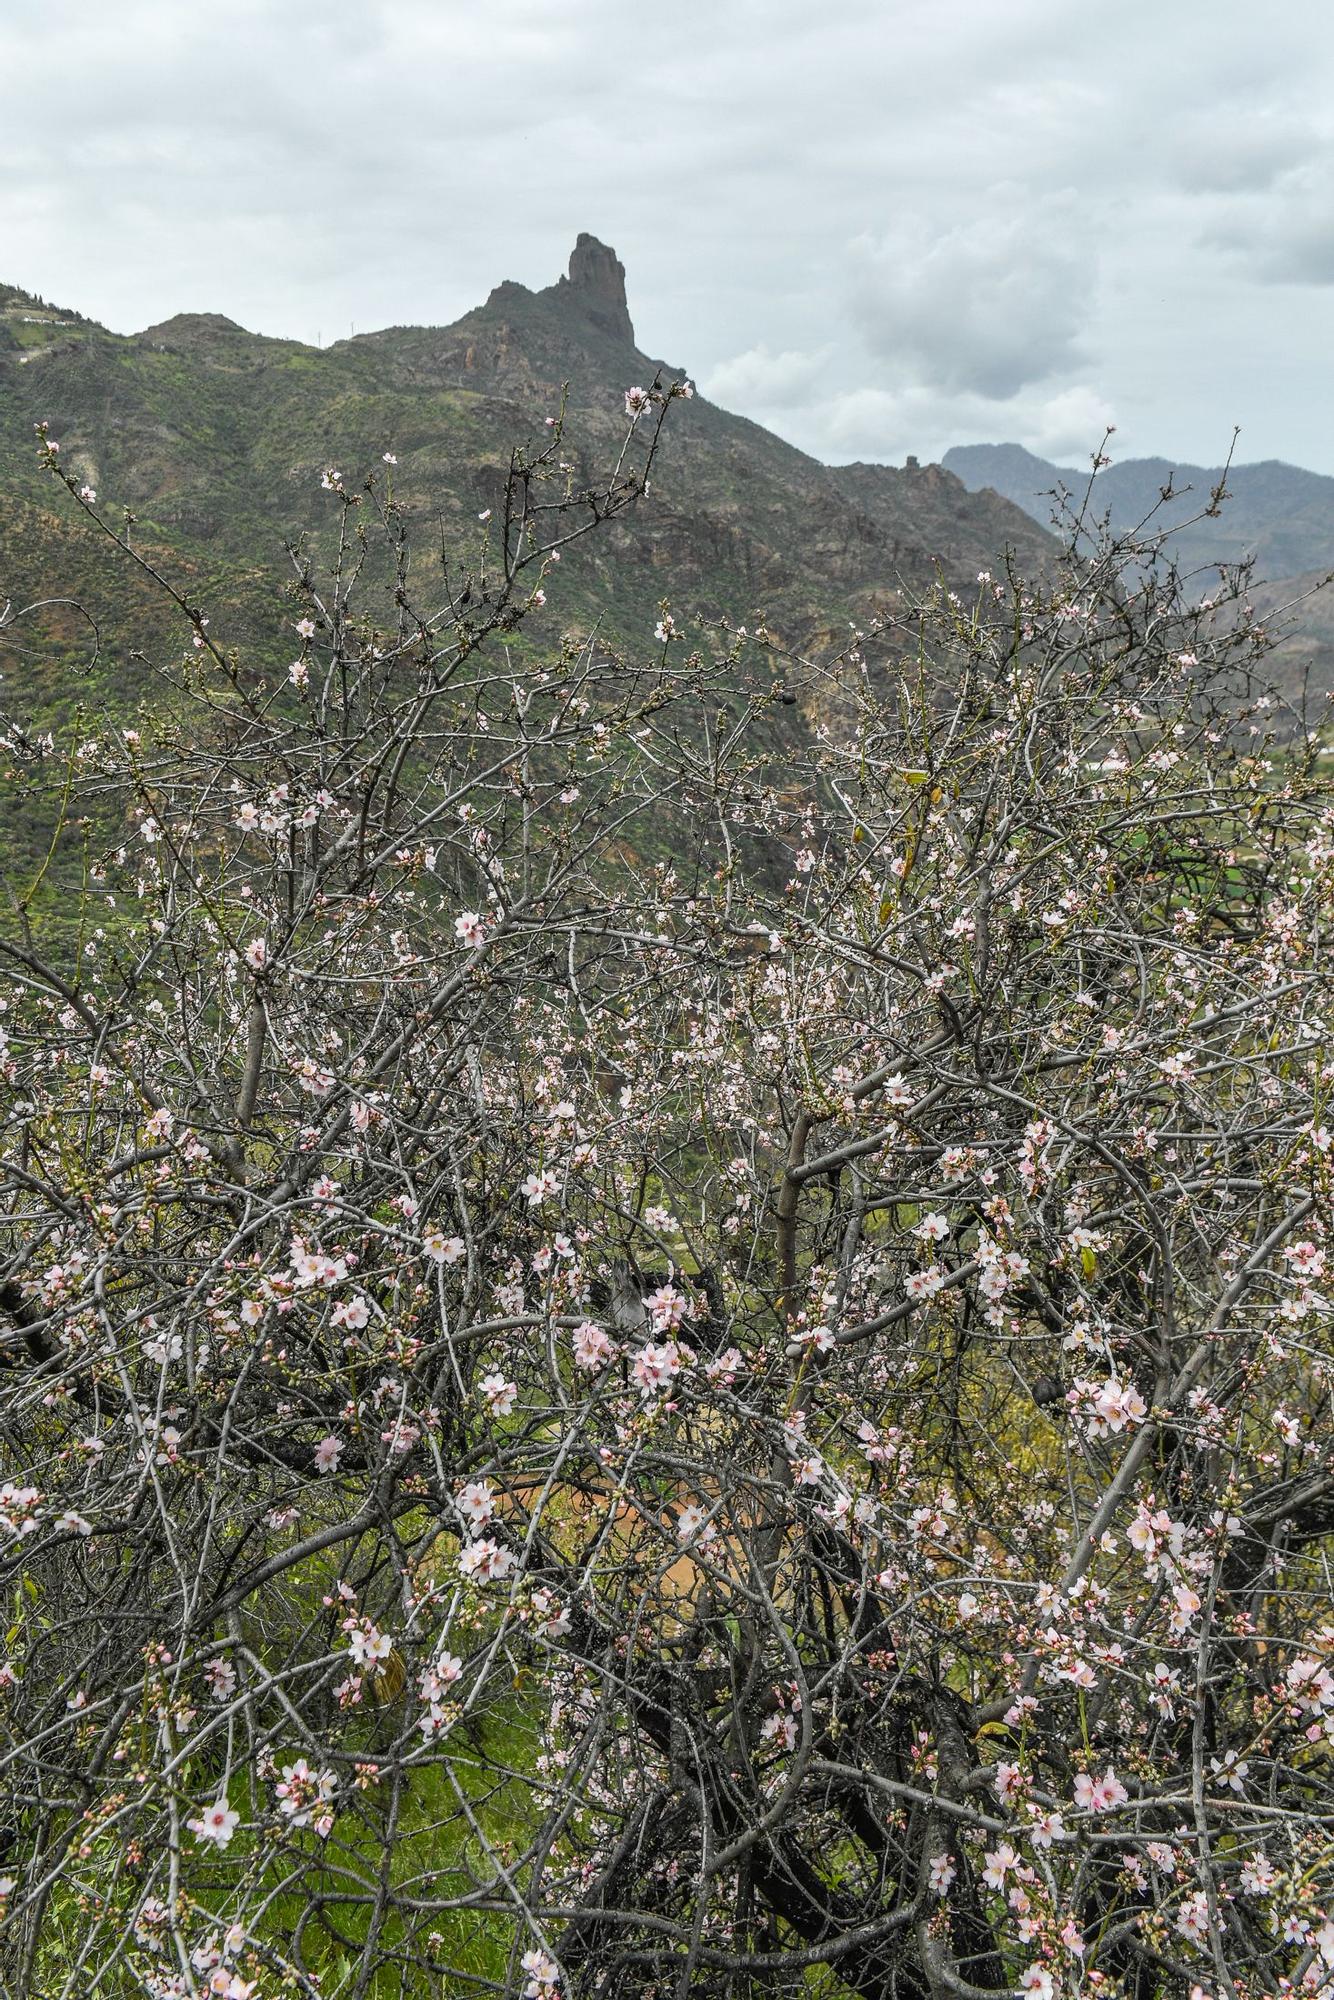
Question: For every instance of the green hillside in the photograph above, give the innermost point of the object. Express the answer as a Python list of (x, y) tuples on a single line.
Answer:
[(216, 439), (206, 447)]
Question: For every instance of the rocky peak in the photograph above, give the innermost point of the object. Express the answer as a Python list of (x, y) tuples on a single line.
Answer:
[(597, 281)]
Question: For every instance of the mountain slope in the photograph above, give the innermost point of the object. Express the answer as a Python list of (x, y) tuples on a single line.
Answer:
[(216, 439)]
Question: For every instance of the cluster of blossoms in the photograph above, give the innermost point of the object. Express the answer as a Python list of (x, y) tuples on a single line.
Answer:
[(482, 1559), (1308, 1687), (304, 1796), (20, 1510), (541, 1976), (1102, 1409), (439, 1708)]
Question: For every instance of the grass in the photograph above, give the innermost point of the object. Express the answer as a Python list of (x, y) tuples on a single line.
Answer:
[(316, 1896)]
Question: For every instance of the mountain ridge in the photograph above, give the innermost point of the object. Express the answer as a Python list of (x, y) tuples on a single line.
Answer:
[(215, 439), (1279, 514)]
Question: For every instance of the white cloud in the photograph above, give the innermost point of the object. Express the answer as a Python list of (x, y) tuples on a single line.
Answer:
[(872, 423), (762, 380), (1069, 425)]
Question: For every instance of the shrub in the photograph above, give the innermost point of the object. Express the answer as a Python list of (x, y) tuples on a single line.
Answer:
[(651, 1351)]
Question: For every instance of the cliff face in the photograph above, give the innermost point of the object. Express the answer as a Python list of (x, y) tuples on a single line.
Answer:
[(912, 501), (596, 284), (216, 439)]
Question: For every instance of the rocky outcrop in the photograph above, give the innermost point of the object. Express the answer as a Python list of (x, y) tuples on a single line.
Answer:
[(597, 284)]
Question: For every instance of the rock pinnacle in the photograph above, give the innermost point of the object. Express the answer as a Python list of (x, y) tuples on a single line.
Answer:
[(597, 278)]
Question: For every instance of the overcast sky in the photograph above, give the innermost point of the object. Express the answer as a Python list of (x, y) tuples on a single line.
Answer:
[(877, 226)]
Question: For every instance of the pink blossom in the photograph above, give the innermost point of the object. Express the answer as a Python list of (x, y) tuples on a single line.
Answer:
[(486, 1560), (303, 1792), (543, 1976), (1307, 1259), (1230, 1770), (216, 1823), (1009, 1782), (592, 1346), (780, 1729), (999, 1862), (366, 1642), (552, 1621), (444, 1249), (666, 1308), (476, 1502), (221, 1678), (499, 1394), (1109, 1406), (933, 1228), (655, 1366), (1099, 1794), (1187, 1605), (442, 1673), (401, 1435)]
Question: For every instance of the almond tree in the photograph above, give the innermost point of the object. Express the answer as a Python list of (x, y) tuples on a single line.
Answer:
[(652, 1351)]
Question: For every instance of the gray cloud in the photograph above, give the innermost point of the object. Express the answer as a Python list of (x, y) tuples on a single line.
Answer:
[(1236, 146), (1283, 232), (849, 221), (985, 306)]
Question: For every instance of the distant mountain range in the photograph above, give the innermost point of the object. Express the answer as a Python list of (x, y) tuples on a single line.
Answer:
[(216, 439), (1277, 513)]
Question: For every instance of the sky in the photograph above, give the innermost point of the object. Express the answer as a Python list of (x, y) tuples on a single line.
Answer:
[(878, 227)]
